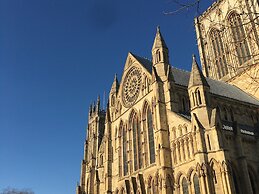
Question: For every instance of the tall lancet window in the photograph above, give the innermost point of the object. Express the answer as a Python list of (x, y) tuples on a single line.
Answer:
[(137, 148), (196, 184), (125, 158), (150, 136), (239, 37), (219, 53), (185, 186)]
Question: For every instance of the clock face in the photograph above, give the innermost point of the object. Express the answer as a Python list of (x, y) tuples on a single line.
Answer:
[(131, 86)]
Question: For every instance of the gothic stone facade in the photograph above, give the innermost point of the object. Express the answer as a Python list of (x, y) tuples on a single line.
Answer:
[(166, 130), (228, 42)]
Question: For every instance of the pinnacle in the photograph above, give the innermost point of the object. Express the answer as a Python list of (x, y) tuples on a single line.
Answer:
[(159, 40), (196, 77)]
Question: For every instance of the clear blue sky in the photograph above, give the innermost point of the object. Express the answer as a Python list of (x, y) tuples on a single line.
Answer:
[(56, 56)]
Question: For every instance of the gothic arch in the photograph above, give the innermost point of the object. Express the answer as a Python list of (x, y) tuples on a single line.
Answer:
[(135, 131), (224, 113), (174, 133), (185, 127), (145, 105), (214, 163), (178, 177), (184, 185), (169, 181), (149, 181), (196, 183), (230, 13), (189, 174), (198, 169), (132, 114), (219, 52), (180, 131), (198, 96), (148, 131), (239, 37)]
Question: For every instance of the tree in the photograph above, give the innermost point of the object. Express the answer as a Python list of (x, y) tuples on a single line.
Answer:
[(16, 191)]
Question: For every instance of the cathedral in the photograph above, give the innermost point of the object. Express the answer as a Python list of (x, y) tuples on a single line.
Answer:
[(170, 131)]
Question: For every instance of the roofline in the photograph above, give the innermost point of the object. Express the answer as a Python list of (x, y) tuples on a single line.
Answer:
[(210, 8)]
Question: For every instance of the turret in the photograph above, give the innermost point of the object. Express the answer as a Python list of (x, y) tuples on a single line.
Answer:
[(160, 57), (198, 90), (112, 97), (114, 91)]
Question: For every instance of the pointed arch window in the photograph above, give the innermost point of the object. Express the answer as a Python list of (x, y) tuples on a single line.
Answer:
[(150, 136), (158, 56), (219, 53), (137, 148), (125, 158), (225, 114), (196, 184), (185, 186), (199, 97), (193, 99), (239, 37)]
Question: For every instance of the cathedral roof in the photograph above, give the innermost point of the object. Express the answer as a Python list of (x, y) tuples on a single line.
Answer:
[(220, 88), (216, 87), (145, 62)]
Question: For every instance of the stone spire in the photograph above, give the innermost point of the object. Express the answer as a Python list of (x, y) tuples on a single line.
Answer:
[(107, 115), (98, 107), (159, 40), (196, 78), (115, 85), (160, 55)]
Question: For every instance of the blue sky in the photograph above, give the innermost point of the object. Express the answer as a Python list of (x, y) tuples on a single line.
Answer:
[(56, 56)]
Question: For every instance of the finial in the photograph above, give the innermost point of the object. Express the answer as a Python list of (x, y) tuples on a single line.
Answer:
[(158, 28)]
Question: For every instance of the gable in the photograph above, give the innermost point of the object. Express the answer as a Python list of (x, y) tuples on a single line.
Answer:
[(136, 75)]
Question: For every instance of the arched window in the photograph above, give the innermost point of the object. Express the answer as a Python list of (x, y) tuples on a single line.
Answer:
[(199, 97), (150, 136), (125, 158), (225, 114), (239, 37), (193, 99), (134, 130), (139, 144), (185, 186), (101, 160), (219, 53), (158, 56), (137, 147), (196, 184), (113, 100)]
